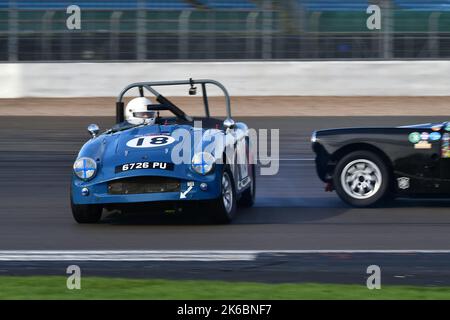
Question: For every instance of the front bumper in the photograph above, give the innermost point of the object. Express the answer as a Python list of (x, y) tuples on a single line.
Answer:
[(189, 191), (322, 161)]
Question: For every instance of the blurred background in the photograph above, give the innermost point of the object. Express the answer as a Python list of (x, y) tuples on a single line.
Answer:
[(141, 30)]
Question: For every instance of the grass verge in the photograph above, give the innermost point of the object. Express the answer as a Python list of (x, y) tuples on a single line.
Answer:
[(54, 287)]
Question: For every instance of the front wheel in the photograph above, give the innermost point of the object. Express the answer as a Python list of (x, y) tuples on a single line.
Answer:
[(86, 213), (361, 179), (223, 208)]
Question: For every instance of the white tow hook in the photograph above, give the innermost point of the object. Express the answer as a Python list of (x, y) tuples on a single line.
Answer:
[(190, 186)]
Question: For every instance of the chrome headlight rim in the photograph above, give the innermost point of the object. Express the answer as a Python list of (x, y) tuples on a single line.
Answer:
[(203, 163), (85, 168)]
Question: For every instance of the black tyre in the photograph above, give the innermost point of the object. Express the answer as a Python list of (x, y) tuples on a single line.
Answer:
[(248, 196), (223, 209), (86, 213), (361, 179)]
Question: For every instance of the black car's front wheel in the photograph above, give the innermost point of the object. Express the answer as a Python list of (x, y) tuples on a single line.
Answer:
[(86, 213), (223, 209), (361, 179)]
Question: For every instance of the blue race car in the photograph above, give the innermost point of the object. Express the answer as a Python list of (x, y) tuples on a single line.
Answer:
[(158, 156)]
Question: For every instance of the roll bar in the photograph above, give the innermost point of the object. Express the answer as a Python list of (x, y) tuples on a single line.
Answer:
[(149, 86)]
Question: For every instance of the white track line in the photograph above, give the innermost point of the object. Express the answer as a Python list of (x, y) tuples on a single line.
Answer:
[(288, 159), (172, 255), (124, 256)]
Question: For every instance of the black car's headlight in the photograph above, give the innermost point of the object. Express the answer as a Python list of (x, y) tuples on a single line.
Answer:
[(203, 162), (85, 168)]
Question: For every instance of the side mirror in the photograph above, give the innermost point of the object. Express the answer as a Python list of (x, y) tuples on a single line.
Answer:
[(229, 123), (192, 91), (93, 130)]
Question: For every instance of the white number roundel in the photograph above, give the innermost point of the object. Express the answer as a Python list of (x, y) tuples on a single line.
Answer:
[(150, 141)]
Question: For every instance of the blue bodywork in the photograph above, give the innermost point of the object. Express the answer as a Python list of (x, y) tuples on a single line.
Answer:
[(148, 163), (110, 150)]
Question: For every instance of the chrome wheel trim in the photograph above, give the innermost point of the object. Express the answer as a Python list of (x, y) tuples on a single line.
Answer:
[(227, 192), (361, 179)]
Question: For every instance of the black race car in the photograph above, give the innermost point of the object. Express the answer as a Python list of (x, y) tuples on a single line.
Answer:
[(368, 165)]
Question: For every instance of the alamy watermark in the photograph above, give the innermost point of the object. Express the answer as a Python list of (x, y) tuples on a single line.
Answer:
[(74, 280), (374, 20), (237, 146), (374, 280), (73, 21)]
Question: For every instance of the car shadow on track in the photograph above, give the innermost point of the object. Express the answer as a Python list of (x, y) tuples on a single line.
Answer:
[(255, 215), (306, 211), (155, 217), (416, 203)]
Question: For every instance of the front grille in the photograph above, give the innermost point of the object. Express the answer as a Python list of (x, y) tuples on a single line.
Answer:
[(138, 185)]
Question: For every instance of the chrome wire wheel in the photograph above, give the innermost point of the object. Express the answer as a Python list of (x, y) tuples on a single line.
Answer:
[(227, 192), (361, 179)]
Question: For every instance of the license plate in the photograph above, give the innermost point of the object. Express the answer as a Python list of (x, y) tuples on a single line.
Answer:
[(146, 165)]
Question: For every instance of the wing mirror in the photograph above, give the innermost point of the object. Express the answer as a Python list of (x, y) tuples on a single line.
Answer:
[(93, 130), (192, 91), (229, 123)]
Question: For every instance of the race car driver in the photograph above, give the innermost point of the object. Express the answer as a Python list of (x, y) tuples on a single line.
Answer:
[(136, 112)]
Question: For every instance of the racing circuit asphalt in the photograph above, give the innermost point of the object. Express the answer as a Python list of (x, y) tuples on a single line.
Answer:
[(292, 210)]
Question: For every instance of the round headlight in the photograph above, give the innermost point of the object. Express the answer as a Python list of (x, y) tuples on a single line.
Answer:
[(85, 168), (203, 162)]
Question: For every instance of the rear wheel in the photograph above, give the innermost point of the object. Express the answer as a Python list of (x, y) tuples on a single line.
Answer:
[(86, 213), (361, 179), (223, 208)]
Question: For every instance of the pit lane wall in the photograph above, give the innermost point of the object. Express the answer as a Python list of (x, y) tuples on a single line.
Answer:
[(283, 78)]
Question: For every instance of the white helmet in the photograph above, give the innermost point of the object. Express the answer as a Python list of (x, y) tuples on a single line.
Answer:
[(136, 111)]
